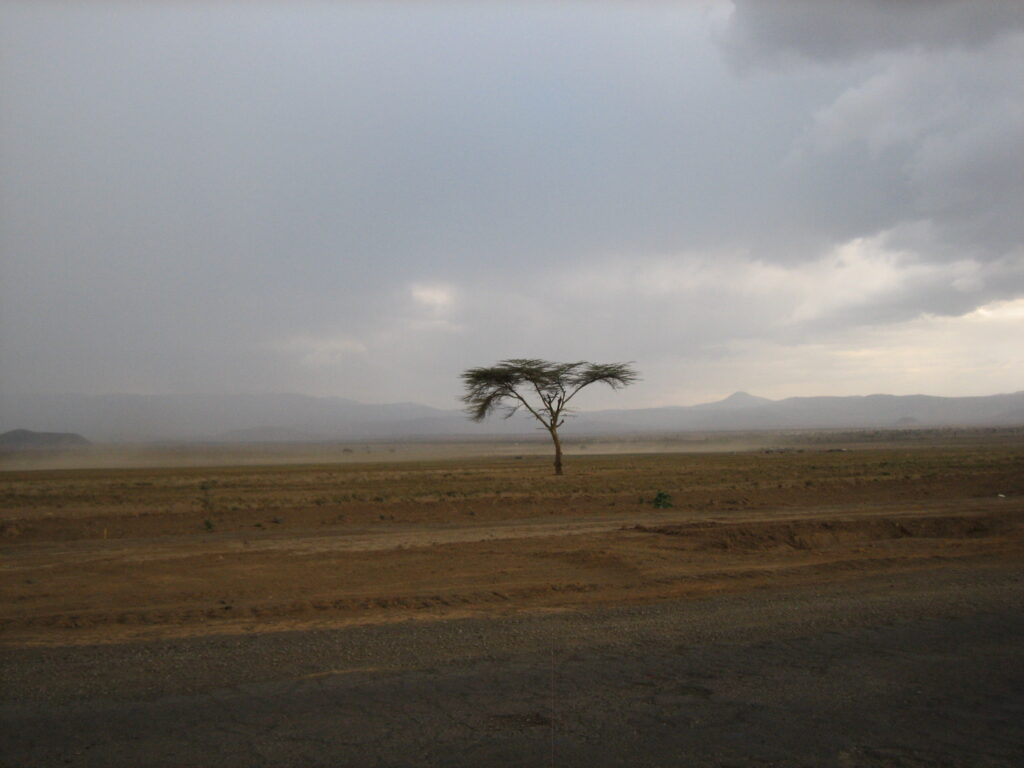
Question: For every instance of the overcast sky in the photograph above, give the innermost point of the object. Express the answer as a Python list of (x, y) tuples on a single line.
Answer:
[(363, 199)]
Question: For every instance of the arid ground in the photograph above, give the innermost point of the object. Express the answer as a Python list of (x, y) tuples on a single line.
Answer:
[(148, 583)]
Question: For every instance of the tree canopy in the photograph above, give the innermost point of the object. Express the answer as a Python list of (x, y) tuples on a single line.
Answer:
[(542, 387)]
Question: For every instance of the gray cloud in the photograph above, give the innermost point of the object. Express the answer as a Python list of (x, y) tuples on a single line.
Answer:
[(362, 199), (928, 128), (793, 31), (945, 133)]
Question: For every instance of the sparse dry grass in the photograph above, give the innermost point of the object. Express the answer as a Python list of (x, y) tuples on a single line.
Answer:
[(99, 554)]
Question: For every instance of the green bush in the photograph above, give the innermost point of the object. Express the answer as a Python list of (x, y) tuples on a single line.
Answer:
[(662, 500)]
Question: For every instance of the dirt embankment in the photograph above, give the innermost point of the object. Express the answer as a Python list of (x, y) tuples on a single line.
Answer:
[(812, 534)]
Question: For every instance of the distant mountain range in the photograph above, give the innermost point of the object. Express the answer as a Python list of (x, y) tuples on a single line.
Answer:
[(299, 418)]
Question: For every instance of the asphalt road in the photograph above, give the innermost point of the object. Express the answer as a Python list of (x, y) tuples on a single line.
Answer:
[(916, 669)]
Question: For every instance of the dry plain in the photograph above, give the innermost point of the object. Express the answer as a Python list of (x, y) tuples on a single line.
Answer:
[(132, 557), (99, 555)]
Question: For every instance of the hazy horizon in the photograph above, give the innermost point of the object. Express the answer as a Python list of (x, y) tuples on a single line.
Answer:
[(456, 405), (361, 200), (298, 418)]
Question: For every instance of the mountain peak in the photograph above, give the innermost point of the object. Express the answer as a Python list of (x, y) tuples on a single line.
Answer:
[(735, 401), (744, 398)]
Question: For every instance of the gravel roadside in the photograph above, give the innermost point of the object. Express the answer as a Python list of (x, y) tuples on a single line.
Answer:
[(910, 669), (180, 666)]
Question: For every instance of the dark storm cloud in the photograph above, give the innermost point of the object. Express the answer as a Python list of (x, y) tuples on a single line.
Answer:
[(929, 128), (835, 30)]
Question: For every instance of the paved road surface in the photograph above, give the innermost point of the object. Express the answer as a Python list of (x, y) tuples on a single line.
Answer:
[(917, 669)]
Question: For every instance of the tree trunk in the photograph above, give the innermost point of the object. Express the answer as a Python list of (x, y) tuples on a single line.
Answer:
[(558, 450)]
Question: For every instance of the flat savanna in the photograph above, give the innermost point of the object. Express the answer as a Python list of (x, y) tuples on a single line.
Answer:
[(114, 554)]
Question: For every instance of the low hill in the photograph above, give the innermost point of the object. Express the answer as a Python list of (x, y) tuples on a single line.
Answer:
[(27, 440)]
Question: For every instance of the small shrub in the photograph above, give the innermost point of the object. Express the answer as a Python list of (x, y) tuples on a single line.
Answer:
[(208, 525), (662, 500)]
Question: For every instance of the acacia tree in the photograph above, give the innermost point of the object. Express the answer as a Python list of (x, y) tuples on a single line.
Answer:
[(541, 387)]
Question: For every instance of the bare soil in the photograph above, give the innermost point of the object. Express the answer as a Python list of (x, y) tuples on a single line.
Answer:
[(108, 555)]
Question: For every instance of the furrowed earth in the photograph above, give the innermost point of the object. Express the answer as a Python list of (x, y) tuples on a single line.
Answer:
[(104, 561)]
